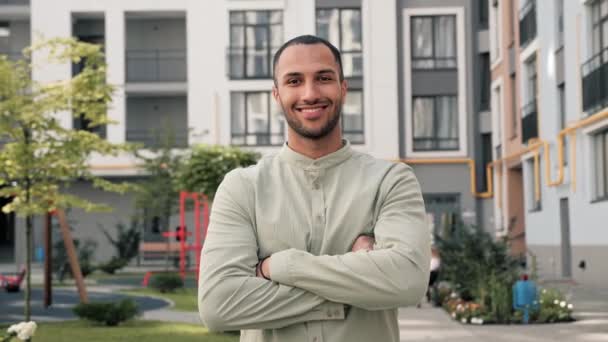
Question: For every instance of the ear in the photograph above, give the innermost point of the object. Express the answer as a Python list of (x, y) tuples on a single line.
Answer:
[(344, 90), (275, 93)]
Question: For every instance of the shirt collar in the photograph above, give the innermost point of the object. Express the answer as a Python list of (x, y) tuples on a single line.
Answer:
[(327, 161)]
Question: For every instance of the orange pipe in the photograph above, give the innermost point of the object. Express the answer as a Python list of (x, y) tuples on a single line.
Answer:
[(536, 177)]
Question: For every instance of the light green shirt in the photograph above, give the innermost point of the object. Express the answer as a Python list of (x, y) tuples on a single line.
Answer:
[(307, 213)]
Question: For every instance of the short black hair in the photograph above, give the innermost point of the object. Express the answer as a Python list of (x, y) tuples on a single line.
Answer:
[(308, 39)]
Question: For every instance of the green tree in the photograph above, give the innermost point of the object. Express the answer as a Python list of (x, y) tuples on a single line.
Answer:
[(40, 157), (204, 169)]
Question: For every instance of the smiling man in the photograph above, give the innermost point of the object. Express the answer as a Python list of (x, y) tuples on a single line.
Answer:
[(317, 242)]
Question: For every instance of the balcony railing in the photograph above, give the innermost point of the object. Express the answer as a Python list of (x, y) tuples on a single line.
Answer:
[(15, 2), (527, 23), (12, 55), (595, 82), (529, 121), (154, 139), (156, 66)]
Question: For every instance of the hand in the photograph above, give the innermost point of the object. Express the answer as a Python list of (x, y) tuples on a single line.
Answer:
[(363, 242), (263, 266)]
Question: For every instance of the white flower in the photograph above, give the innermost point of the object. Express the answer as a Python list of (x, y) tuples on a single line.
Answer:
[(464, 320), (562, 304), (476, 320), (453, 315), (23, 330), (556, 302), (544, 290), (570, 306), (28, 330)]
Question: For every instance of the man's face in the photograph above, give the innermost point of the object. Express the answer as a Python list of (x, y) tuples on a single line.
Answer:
[(309, 90)]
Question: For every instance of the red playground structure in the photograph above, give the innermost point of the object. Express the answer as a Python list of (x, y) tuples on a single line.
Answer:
[(200, 232)]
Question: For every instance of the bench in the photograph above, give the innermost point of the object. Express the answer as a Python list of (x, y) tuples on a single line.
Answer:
[(158, 249), (11, 282)]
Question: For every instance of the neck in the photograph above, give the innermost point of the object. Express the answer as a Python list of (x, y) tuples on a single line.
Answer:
[(315, 148)]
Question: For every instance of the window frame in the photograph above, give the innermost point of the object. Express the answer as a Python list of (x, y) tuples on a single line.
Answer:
[(246, 134), (243, 49), (600, 167), (436, 140), (362, 131), (433, 58), (340, 38)]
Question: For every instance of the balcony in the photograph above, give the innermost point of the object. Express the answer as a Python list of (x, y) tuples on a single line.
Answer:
[(156, 65), (249, 63), (157, 121), (527, 23), (15, 2), (595, 82), (529, 121)]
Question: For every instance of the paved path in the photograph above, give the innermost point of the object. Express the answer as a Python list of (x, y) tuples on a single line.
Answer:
[(433, 324), (11, 304)]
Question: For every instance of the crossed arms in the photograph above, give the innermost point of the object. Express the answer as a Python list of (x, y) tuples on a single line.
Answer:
[(307, 287)]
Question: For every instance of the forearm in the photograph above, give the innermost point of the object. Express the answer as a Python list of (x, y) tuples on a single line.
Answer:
[(253, 303), (374, 280)]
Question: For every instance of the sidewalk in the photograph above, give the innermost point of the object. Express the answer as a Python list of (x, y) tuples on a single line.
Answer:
[(433, 324)]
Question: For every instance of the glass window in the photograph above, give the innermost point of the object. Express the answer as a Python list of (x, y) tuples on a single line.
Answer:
[(254, 37), (534, 204), (485, 82), (255, 119), (352, 117), (342, 28), (435, 123), (601, 165), (433, 42), (599, 16)]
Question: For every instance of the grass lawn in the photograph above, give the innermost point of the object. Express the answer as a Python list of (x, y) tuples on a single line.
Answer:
[(148, 331), (184, 299)]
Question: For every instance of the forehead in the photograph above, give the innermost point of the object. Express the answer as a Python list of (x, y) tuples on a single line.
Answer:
[(304, 59)]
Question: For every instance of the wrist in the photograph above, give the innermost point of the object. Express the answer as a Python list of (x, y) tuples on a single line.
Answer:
[(261, 266)]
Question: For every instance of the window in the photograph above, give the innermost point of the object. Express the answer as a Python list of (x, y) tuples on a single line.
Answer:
[(534, 204), (342, 28), (561, 95), (599, 18), (514, 108), (434, 42), (559, 18), (254, 38), (485, 81), (84, 124), (352, 117), (435, 123), (256, 120), (601, 165), (486, 158), (483, 13), (531, 79)]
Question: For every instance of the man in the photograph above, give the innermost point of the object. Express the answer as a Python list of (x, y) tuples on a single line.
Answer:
[(318, 242)]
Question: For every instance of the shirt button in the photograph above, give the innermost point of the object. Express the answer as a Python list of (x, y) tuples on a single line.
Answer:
[(329, 314), (315, 185)]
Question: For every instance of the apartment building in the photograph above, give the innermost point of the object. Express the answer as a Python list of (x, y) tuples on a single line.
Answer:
[(548, 90), (202, 70)]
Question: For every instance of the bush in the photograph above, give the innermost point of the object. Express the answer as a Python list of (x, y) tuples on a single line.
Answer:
[(166, 282), (113, 265), (61, 265), (108, 313), (205, 168), (126, 242)]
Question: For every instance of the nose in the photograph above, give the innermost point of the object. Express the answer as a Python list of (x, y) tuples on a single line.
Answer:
[(311, 93)]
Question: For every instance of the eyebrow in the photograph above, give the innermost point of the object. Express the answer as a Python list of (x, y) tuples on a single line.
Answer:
[(297, 74)]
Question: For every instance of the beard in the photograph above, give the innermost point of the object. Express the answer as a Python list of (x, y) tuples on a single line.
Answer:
[(296, 124)]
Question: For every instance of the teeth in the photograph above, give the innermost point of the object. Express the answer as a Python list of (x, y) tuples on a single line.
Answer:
[(310, 110)]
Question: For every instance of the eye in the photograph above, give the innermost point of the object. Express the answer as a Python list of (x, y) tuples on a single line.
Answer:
[(293, 81), (325, 78)]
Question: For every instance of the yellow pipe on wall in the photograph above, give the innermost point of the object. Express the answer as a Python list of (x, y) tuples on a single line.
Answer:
[(536, 177), (573, 162)]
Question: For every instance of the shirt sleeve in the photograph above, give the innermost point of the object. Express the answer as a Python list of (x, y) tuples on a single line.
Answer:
[(392, 275), (230, 296)]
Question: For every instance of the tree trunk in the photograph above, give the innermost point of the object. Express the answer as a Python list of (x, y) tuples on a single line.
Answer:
[(28, 265)]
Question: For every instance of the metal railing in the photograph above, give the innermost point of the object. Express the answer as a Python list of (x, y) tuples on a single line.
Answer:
[(529, 121), (15, 2), (435, 144), (152, 138), (527, 23), (156, 65), (595, 82)]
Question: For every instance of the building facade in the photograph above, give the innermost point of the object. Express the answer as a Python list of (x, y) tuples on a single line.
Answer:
[(549, 102), (418, 75)]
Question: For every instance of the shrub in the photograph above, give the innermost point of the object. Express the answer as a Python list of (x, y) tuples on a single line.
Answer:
[(108, 313), (113, 265), (166, 282), (553, 307), (126, 242), (61, 265)]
